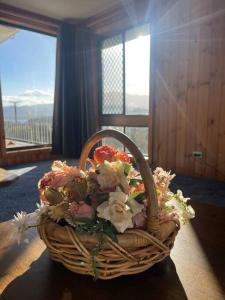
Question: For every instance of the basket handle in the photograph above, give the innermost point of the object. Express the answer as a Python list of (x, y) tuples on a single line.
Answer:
[(145, 171)]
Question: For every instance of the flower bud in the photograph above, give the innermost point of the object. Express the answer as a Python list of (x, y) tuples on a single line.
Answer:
[(53, 196)]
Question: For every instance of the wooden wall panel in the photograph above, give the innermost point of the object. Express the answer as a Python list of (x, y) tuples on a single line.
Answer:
[(188, 51), (189, 91)]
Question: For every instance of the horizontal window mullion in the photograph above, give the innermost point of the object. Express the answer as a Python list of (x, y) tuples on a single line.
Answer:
[(122, 120)]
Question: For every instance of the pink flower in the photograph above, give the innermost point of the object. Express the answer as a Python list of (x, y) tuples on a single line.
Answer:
[(139, 219), (45, 180), (60, 178), (72, 171), (59, 166), (81, 210)]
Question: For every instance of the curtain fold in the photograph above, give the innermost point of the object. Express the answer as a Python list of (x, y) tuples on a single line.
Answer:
[(76, 94)]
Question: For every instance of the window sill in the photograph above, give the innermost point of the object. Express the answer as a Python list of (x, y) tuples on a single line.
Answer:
[(22, 156), (28, 148)]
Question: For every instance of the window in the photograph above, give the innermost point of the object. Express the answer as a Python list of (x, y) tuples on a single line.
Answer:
[(27, 82), (137, 134), (111, 141), (125, 61)]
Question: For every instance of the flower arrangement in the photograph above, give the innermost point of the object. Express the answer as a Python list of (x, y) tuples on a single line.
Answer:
[(108, 198)]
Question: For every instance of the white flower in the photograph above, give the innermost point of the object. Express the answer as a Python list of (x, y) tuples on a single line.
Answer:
[(190, 212), (57, 212), (180, 196), (111, 175), (118, 195), (42, 209), (19, 226), (136, 207), (174, 203), (179, 203), (116, 211)]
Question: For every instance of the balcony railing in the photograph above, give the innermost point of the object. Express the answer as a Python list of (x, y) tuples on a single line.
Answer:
[(34, 131)]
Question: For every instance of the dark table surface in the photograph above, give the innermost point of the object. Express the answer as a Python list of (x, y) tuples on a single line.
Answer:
[(195, 270)]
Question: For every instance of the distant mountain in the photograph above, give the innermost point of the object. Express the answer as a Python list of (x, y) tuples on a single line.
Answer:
[(135, 104), (27, 112)]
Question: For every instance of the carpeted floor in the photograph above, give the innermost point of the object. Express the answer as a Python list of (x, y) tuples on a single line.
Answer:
[(22, 194)]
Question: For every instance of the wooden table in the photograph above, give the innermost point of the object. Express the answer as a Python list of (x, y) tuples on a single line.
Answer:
[(196, 269)]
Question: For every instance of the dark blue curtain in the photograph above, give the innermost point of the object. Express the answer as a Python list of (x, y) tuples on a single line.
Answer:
[(76, 93)]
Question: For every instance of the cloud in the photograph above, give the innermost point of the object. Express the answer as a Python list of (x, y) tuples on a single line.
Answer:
[(30, 97)]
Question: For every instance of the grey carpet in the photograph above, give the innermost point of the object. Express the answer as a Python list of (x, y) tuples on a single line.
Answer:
[(22, 194)]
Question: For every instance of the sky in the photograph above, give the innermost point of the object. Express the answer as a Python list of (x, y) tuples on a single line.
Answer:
[(137, 54), (137, 65), (27, 68)]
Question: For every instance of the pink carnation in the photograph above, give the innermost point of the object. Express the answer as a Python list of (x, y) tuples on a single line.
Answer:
[(45, 180), (72, 171), (59, 178), (81, 210)]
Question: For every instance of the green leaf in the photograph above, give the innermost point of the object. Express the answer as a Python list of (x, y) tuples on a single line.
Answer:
[(127, 168), (110, 231), (88, 200), (134, 182), (99, 227), (140, 197)]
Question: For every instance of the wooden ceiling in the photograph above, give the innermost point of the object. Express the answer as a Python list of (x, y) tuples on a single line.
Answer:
[(66, 9)]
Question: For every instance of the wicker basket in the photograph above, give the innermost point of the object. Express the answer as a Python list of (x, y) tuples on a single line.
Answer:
[(136, 250)]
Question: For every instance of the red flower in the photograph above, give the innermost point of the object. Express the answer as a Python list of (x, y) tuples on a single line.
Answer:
[(104, 153), (122, 156)]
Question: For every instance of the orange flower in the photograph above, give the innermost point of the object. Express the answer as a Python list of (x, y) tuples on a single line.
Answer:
[(122, 156), (103, 153), (138, 189)]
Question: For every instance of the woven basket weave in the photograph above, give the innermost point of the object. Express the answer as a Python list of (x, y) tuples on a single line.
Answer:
[(136, 250)]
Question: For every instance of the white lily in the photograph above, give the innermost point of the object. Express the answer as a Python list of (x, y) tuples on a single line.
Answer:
[(116, 211)]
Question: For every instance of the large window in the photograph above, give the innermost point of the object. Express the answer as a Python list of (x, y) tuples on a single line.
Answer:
[(27, 67), (125, 61)]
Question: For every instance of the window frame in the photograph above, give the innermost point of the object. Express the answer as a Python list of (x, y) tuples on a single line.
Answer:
[(124, 120), (3, 147)]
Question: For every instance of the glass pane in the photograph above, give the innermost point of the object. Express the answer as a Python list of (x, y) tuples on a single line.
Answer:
[(27, 80), (113, 142), (139, 135), (137, 66), (112, 75)]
